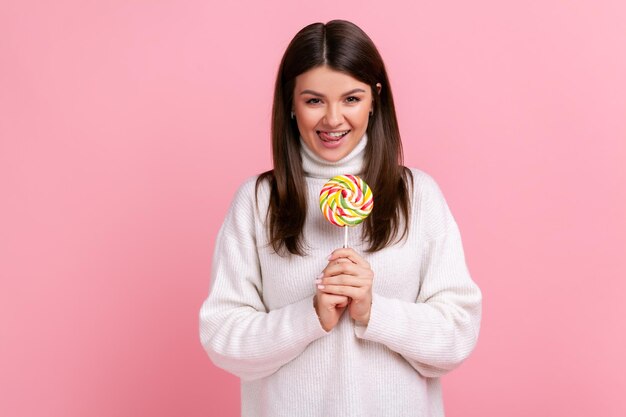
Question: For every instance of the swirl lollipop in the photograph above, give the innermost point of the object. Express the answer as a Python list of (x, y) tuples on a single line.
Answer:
[(346, 200)]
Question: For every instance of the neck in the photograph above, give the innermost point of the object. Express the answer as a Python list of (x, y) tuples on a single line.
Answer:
[(316, 167)]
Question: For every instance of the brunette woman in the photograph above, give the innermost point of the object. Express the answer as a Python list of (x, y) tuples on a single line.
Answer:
[(314, 329)]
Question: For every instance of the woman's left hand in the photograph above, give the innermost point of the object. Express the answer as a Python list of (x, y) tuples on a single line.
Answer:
[(347, 273)]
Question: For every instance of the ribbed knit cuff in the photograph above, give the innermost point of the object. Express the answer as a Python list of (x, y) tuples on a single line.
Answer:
[(376, 321), (311, 319)]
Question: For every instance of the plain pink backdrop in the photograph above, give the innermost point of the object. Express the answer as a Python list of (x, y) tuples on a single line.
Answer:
[(127, 126)]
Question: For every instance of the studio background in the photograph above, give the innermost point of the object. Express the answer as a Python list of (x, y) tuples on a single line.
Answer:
[(127, 126)]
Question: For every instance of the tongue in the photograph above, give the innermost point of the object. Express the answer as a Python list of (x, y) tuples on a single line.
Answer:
[(325, 136)]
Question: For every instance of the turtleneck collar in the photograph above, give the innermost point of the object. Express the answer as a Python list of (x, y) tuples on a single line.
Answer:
[(316, 167)]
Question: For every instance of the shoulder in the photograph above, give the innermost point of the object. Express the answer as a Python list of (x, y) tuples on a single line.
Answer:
[(430, 205), (251, 188), (242, 212), (247, 186), (243, 194)]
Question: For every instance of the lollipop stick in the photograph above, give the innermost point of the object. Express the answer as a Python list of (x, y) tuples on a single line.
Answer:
[(345, 237)]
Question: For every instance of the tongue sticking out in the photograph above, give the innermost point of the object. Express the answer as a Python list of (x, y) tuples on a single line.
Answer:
[(331, 138)]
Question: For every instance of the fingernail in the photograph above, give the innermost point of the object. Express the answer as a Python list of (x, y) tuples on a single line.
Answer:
[(320, 275), (318, 281), (329, 256), (320, 287)]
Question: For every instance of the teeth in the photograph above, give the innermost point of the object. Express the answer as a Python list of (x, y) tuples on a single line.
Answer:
[(336, 134)]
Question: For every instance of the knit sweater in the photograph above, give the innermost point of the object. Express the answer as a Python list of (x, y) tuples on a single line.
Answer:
[(259, 323)]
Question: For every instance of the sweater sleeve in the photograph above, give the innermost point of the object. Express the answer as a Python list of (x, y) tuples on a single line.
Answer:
[(237, 331), (439, 330)]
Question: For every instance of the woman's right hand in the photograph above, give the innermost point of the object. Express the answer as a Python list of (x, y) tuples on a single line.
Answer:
[(329, 308)]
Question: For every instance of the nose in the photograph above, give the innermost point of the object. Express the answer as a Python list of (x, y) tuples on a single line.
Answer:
[(333, 116)]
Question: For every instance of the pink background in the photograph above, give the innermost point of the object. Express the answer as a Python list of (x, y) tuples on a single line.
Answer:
[(126, 127)]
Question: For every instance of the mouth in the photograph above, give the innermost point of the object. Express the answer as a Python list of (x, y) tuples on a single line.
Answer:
[(332, 137)]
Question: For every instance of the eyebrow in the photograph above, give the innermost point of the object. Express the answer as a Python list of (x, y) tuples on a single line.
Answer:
[(315, 93)]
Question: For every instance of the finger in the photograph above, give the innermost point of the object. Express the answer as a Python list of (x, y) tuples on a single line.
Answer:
[(345, 267), (352, 292), (348, 253), (349, 280), (330, 300), (341, 261), (335, 262)]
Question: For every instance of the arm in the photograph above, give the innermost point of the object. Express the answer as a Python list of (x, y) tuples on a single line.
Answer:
[(439, 331), (236, 330)]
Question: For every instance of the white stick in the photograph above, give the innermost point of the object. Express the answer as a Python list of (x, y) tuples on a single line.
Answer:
[(345, 237)]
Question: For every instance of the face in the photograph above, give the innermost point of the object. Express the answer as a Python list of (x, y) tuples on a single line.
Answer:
[(332, 111)]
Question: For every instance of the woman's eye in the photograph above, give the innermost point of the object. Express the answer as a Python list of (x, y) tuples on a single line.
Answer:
[(353, 99), (313, 101)]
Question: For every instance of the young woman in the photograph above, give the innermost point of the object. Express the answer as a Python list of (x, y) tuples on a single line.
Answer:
[(314, 329)]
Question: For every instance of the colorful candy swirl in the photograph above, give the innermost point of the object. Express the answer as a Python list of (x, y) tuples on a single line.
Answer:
[(346, 200)]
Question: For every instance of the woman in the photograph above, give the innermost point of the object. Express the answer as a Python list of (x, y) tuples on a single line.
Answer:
[(314, 329)]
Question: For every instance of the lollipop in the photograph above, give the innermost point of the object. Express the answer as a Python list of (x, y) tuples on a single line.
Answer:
[(346, 200)]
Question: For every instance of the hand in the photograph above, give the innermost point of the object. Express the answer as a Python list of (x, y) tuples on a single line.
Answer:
[(348, 274), (329, 308)]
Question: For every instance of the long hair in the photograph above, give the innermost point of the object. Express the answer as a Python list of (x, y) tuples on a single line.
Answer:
[(344, 47)]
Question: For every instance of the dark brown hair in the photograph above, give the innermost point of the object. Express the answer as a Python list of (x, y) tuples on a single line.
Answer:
[(344, 47)]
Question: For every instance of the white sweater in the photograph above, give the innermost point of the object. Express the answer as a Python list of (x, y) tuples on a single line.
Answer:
[(259, 322)]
